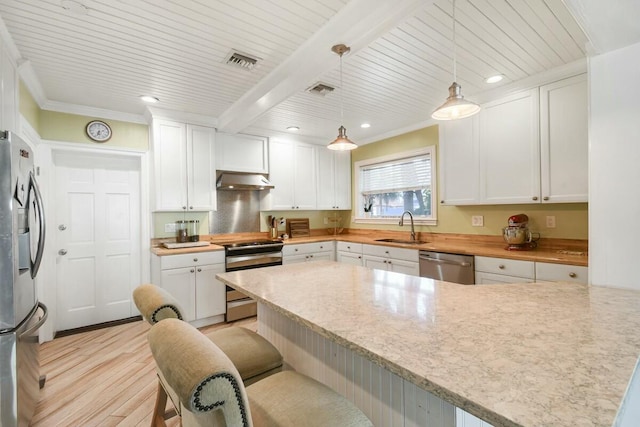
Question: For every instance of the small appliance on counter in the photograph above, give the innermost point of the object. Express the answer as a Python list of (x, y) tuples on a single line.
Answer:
[(517, 234)]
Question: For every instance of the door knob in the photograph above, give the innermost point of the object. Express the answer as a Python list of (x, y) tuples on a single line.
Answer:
[(62, 252)]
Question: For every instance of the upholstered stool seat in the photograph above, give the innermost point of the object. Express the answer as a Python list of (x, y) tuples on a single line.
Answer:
[(211, 392), (253, 356)]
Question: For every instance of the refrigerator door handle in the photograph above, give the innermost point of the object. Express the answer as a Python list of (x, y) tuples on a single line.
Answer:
[(45, 314), (35, 264)]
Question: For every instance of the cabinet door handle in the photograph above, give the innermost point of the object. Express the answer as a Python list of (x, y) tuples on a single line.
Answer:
[(191, 207), (545, 198), (184, 208), (199, 270), (195, 260), (501, 267), (385, 261), (573, 275), (441, 201), (389, 262), (192, 271), (359, 257), (310, 256), (535, 197)]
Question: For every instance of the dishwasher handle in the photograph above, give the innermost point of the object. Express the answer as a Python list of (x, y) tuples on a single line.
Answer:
[(444, 261)]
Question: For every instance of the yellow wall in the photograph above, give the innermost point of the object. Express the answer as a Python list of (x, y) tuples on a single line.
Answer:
[(29, 107), (65, 127), (71, 128), (571, 218)]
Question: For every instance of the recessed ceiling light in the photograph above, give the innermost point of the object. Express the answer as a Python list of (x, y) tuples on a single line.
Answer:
[(294, 128), (494, 79), (365, 125), (150, 99)]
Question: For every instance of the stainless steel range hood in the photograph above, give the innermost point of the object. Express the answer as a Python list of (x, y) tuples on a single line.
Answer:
[(243, 181)]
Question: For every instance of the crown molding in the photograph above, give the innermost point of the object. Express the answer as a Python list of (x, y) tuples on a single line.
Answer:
[(181, 116), (83, 110)]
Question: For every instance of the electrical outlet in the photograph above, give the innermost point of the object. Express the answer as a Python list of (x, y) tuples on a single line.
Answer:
[(170, 227), (551, 221), (477, 220), (326, 220)]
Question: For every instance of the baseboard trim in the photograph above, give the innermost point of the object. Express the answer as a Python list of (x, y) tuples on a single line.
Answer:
[(74, 331)]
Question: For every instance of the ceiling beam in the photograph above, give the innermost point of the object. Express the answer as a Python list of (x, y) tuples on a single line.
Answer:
[(357, 24)]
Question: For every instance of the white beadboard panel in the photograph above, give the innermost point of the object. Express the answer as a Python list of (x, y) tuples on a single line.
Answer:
[(175, 50), (465, 419), (384, 397)]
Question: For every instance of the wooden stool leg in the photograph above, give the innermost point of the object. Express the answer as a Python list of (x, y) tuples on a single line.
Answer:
[(157, 418)]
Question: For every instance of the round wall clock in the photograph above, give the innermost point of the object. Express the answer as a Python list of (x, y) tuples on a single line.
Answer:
[(98, 131)]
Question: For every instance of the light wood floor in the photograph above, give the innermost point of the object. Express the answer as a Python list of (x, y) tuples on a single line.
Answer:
[(104, 377)]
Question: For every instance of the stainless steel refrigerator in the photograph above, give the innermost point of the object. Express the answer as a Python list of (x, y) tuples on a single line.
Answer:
[(22, 232)]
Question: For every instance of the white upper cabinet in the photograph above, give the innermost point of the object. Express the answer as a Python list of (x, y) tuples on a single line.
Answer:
[(563, 140), (241, 153), (459, 165), (509, 150), (183, 167), (292, 171), (530, 147), (334, 179)]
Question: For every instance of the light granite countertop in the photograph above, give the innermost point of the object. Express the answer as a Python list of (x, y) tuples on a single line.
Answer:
[(543, 354)]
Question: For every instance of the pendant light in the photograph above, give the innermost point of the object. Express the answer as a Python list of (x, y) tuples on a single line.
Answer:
[(455, 107), (341, 143)]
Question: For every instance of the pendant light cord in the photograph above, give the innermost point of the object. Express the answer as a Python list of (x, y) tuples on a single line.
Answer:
[(341, 94), (454, 41)]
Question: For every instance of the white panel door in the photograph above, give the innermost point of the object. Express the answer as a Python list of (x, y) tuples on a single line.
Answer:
[(98, 241), (170, 163), (510, 150), (564, 141), (201, 186), (459, 162), (211, 294), (305, 177)]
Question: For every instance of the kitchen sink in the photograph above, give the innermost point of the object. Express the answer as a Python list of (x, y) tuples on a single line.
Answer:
[(401, 241)]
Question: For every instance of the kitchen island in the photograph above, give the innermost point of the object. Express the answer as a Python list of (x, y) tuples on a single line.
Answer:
[(407, 350)]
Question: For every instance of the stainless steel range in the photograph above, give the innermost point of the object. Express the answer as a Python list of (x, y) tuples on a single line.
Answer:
[(243, 256)]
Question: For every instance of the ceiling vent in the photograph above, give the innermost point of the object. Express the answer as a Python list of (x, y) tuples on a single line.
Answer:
[(241, 60), (320, 89)]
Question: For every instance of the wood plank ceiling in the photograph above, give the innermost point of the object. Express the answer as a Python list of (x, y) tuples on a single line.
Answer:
[(105, 53)]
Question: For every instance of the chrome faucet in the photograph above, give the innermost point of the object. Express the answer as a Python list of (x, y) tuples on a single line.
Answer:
[(401, 223)]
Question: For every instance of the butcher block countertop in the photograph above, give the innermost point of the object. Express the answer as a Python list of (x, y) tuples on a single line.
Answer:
[(557, 251), (543, 354)]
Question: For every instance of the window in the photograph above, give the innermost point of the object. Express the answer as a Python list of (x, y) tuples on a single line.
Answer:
[(388, 186)]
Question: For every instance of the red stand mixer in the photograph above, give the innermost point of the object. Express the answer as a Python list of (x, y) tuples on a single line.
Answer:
[(517, 234)]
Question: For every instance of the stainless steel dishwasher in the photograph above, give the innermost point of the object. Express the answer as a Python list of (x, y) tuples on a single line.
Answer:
[(447, 267)]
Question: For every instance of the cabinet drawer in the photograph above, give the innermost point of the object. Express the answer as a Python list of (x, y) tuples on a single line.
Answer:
[(561, 273), (391, 252), (509, 267), (349, 247), (186, 260), (483, 278), (307, 248)]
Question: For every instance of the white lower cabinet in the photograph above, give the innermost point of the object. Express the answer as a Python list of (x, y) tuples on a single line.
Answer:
[(499, 270), (390, 258), (191, 280), (349, 253), (304, 252), (547, 272)]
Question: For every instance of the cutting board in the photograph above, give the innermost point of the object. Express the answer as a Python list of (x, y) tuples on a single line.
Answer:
[(298, 227)]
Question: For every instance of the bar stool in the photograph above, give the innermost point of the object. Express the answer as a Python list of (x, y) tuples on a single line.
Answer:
[(253, 356), (212, 393)]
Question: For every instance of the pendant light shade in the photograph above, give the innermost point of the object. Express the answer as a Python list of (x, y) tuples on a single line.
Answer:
[(341, 143), (455, 107)]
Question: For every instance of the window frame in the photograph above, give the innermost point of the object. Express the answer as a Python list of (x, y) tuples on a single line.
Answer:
[(359, 208)]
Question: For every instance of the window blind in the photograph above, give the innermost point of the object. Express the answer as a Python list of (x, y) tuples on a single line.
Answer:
[(398, 175)]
